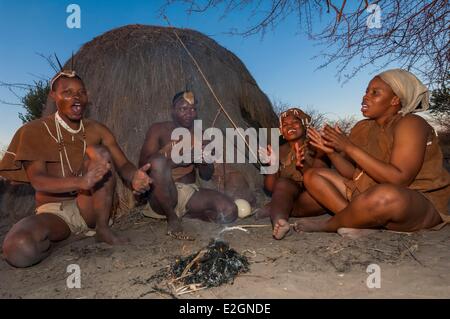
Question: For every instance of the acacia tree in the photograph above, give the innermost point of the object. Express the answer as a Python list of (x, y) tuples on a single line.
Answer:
[(412, 34), (33, 101), (344, 123), (318, 119), (279, 106), (440, 107)]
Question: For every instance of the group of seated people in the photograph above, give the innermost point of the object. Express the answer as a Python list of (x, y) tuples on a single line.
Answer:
[(387, 173)]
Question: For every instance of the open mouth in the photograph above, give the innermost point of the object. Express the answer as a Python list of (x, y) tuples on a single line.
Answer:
[(76, 108), (291, 131)]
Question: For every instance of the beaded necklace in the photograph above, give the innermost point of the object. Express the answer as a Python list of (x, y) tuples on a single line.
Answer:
[(61, 145)]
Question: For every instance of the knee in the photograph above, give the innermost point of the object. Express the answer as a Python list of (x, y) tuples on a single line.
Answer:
[(310, 175), (227, 211), (98, 152), (283, 185), (385, 198), (20, 249), (159, 163), (384, 195)]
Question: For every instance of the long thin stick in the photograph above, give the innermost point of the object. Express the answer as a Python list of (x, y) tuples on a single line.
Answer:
[(255, 226), (193, 261), (210, 88), (190, 291), (259, 226), (179, 278)]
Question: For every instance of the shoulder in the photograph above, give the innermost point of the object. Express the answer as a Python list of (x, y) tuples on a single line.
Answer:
[(92, 123), (34, 126), (98, 130), (360, 130), (413, 119), (361, 125), (38, 122), (160, 127), (412, 128), (97, 126), (412, 123)]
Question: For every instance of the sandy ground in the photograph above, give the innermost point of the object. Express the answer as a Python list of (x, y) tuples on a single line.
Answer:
[(300, 266)]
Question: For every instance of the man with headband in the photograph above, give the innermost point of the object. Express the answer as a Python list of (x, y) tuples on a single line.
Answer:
[(289, 198), (174, 192), (70, 162), (390, 171)]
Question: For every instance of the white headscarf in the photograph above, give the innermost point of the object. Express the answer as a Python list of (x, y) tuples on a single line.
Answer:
[(413, 95)]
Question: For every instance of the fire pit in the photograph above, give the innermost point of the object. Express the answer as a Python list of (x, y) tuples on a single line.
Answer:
[(215, 265)]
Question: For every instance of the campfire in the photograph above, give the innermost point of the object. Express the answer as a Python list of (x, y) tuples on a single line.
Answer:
[(215, 265)]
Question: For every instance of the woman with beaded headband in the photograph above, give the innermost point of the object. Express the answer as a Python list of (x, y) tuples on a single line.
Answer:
[(288, 196)]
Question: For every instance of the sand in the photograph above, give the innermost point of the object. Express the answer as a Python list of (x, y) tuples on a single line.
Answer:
[(315, 265)]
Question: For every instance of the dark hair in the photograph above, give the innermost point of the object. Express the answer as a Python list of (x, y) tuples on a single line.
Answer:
[(176, 97)]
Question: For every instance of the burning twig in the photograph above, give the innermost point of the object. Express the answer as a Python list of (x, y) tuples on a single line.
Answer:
[(188, 267), (179, 278)]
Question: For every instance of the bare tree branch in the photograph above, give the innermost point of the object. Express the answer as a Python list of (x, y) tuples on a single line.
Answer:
[(413, 34)]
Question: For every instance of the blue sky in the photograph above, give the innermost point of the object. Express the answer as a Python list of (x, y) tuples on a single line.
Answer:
[(281, 62)]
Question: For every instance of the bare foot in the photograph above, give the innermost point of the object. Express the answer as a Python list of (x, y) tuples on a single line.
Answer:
[(355, 233), (262, 213), (281, 229), (175, 230), (105, 234), (310, 225)]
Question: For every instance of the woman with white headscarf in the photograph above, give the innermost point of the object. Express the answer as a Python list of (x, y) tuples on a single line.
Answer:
[(389, 172)]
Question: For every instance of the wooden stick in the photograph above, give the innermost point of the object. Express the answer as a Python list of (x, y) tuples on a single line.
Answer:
[(191, 291), (259, 226), (181, 277), (254, 226), (188, 267), (181, 288), (172, 286)]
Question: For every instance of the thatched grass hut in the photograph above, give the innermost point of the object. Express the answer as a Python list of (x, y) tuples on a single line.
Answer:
[(132, 73)]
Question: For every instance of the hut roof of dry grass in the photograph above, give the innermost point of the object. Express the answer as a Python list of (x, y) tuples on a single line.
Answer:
[(133, 72)]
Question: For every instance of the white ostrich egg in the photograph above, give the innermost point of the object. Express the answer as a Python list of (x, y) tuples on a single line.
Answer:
[(244, 208)]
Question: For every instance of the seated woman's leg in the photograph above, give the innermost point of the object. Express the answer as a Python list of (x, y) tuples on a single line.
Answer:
[(306, 206), (327, 187), (389, 206), (284, 196)]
